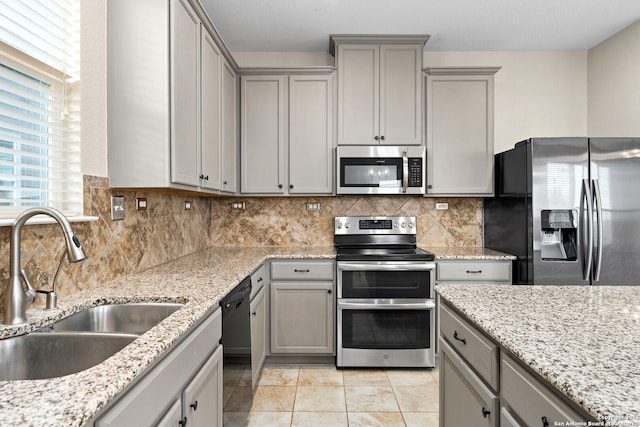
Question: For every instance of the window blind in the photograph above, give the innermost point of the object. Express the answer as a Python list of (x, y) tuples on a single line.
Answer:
[(39, 106)]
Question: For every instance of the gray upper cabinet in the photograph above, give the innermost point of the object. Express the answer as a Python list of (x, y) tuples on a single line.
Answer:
[(379, 89), (229, 129), (164, 103), (459, 131), (287, 134)]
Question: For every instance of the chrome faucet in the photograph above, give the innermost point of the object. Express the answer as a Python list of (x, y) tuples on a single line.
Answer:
[(16, 298)]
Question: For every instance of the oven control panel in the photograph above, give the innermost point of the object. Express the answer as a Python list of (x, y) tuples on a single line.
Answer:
[(375, 225)]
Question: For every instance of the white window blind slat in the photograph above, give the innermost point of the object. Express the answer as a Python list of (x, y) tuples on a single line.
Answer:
[(39, 108)]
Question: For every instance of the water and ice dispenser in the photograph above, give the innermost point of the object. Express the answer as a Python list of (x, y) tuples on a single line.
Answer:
[(559, 235)]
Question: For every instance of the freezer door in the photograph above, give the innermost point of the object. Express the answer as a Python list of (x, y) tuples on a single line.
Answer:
[(559, 166), (615, 171)]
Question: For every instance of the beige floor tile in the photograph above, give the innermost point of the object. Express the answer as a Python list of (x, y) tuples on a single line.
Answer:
[(417, 398), (318, 419), (375, 419), (240, 400), (370, 399), (320, 376), (372, 377), (411, 377), (421, 419), (232, 376), (257, 419), (320, 399), (274, 398), (226, 394), (279, 376), (435, 373)]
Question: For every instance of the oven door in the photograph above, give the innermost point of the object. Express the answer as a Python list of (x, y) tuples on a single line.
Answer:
[(385, 279), (394, 333)]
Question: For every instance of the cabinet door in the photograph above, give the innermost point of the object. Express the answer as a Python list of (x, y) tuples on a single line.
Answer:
[(358, 94), (202, 398), (258, 334), (302, 317), (229, 129), (310, 134), (401, 94), (262, 134), (185, 65), (460, 135), (464, 399), (210, 118)]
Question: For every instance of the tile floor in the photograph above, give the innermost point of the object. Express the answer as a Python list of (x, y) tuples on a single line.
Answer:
[(326, 396)]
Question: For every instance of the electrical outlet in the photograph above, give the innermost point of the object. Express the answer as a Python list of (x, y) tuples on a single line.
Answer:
[(141, 203), (313, 206), (187, 205), (238, 205), (117, 208), (442, 206)]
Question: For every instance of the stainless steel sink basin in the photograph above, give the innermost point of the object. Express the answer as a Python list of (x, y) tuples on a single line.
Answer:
[(133, 318), (37, 356)]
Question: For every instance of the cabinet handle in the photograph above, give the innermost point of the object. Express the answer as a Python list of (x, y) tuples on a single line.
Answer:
[(206, 178), (455, 336), (201, 177), (329, 291), (382, 137), (474, 271), (377, 138), (194, 405), (183, 422), (254, 313), (545, 423), (485, 412), (259, 279), (297, 270)]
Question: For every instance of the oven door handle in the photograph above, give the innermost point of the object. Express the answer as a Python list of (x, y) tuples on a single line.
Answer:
[(386, 266), (422, 305)]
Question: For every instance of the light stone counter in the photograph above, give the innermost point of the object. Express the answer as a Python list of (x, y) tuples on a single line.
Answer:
[(584, 340), (468, 253), (200, 281)]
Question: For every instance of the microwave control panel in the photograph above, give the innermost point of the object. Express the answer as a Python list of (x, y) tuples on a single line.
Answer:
[(415, 172)]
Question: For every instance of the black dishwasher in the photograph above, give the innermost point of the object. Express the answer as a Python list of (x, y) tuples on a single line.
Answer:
[(236, 326)]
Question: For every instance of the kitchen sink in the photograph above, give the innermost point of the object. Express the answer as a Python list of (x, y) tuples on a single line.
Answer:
[(38, 356), (132, 318)]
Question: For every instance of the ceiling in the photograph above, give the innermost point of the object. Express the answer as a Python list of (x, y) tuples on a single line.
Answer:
[(454, 25)]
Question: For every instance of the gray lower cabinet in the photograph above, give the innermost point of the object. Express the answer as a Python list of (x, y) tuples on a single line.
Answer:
[(482, 385), (184, 386), (258, 333), (490, 272), (302, 307)]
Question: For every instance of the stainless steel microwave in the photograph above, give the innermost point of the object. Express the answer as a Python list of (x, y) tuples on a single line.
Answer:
[(380, 169)]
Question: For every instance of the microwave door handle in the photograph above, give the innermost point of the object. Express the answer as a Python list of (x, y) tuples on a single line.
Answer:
[(405, 172), (423, 305)]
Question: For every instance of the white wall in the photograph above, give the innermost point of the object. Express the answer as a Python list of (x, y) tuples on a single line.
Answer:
[(536, 93), (614, 85), (93, 87)]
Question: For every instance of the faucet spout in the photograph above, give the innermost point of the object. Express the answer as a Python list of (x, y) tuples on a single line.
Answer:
[(16, 299)]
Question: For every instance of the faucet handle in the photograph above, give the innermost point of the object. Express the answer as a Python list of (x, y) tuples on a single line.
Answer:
[(52, 299), (30, 293)]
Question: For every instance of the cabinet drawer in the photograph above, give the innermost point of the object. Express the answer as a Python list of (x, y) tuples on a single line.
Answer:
[(258, 280), (530, 400), (474, 271), (302, 270), (481, 353)]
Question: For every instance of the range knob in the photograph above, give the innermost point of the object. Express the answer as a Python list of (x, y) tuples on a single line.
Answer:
[(403, 225), (411, 225), (346, 225), (339, 225), (395, 224)]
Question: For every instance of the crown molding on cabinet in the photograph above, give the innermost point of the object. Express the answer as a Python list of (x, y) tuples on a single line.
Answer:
[(315, 70), (335, 39), (215, 34), (460, 71)]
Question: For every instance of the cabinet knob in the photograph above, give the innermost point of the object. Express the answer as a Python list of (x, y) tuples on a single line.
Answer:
[(485, 412), (206, 178), (382, 137), (377, 138), (259, 279), (225, 182), (183, 422), (194, 405), (429, 186), (201, 176), (279, 185), (291, 186), (254, 313), (329, 291)]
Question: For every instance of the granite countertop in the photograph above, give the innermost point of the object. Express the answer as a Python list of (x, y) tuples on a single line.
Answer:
[(469, 253), (584, 340), (199, 281)]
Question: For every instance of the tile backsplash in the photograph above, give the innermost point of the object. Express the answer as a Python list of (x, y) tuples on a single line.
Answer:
[(166, 231)]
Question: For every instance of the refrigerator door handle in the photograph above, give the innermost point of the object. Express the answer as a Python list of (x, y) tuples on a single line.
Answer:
[(588, 257), (597, 201)]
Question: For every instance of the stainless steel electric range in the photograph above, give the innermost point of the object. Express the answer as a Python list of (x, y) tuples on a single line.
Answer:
[(385, 300)]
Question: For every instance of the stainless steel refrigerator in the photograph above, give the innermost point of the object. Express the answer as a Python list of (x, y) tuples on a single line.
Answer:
[(569, 209)]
